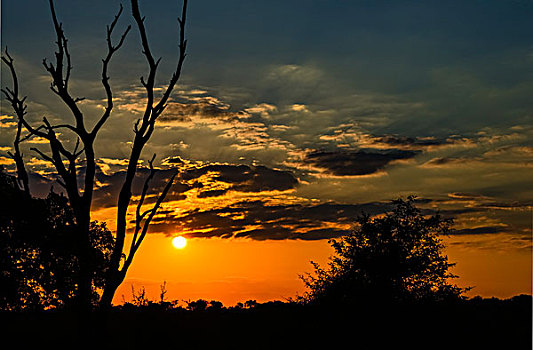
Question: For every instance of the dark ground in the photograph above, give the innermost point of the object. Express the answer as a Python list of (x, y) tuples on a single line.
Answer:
[(472, 324)]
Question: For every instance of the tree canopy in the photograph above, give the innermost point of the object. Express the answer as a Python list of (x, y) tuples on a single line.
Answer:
[(394, 257), (38, 250)]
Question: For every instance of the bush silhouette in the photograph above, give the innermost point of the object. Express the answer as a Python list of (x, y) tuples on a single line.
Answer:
[(38, 250), (396, 257)]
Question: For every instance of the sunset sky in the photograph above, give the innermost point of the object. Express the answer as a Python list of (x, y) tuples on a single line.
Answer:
[(293, 117)]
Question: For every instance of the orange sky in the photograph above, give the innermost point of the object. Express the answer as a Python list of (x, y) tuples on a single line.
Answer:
[(236, 270)]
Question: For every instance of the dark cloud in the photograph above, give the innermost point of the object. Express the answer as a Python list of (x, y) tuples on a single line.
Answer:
[(257, 220), (212, 193), (482, 202), (245, 178), (480, 230), (184, 111), (507, 205), (409, 142), (466, 195), (260, 219), (241, 178), (361, 162), (107, 194), (174, 160), (448, 161)]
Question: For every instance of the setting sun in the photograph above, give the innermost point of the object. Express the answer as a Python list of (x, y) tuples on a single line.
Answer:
[(179, 242)]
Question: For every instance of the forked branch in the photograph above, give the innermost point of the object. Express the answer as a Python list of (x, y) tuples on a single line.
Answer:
[(145, 126), (142, 221), (111, 49), (19, 107), (60, 73)]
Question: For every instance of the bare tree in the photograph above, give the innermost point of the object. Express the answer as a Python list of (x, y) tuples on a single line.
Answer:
[(19, 107), (80, 187)]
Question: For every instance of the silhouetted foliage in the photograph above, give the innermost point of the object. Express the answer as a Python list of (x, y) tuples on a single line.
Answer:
[(215, 305), (38, 250), (249, 304), (397, 257), (197, 305)]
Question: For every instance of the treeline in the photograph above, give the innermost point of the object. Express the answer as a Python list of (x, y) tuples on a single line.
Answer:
[(470, 323), (140, 302)]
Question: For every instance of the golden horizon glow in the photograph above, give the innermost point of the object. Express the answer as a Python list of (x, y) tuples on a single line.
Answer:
[(213, 268), (179, 242)]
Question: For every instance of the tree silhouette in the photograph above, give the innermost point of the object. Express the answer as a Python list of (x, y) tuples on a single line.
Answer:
[(197, 305), (38, 254), (397, 257), (78, 186)]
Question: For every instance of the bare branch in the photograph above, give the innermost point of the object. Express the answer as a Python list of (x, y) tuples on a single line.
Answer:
[(22, 174), (157, 205), (60, 81), (142, 31), (66, 126), (58, 150), (69, 64), (136, 126), (43, 156), (152, 65), (152, 112), (110, 28), (105, 64), (138, 216), (77, 145), (182, 54), (136, 242), (30, 134), (61, 183), (19, 108)]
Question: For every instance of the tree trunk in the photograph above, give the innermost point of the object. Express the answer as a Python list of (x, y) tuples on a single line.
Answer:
[(109, 291), (84, 261)]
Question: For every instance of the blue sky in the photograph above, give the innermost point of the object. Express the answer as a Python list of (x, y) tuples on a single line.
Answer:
[(449, 55)]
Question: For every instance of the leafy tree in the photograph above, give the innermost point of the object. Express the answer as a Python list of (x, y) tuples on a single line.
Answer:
[(39, 267), (215, 305), (395, 257), (250, 304), (204, 305), (197, 305)]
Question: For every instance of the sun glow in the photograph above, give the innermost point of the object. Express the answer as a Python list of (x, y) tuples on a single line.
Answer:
[(179, 242)]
